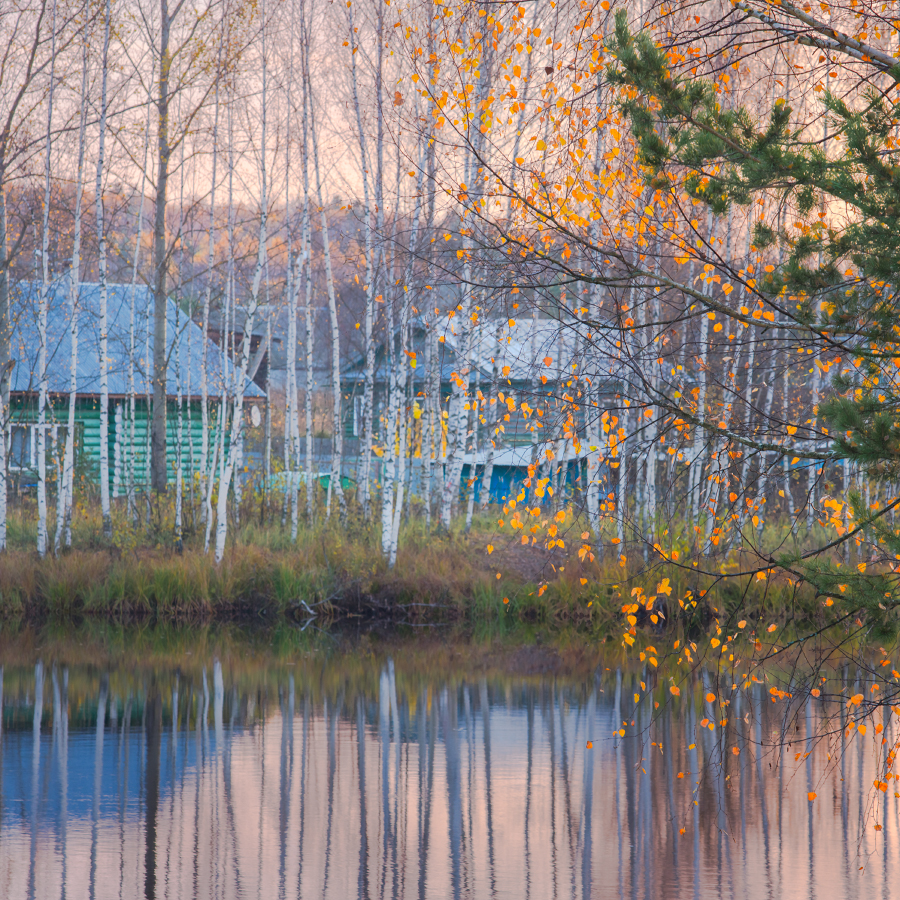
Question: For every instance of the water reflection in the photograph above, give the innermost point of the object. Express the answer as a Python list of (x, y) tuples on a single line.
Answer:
[(302, 781)]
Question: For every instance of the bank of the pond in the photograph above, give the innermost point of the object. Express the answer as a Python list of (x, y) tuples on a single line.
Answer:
[(333, 575)]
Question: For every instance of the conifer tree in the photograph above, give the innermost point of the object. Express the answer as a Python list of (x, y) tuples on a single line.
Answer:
[(832, 291)]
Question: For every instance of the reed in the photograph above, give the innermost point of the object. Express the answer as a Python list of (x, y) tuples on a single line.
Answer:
[(336, 570)]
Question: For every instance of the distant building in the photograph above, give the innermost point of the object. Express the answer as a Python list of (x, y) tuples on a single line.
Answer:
[(531, 361), (186, 342)]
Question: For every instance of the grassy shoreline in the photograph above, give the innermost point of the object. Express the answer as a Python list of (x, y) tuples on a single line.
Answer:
[(336, 571)]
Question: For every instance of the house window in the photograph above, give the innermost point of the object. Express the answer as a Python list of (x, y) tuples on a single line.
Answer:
[(23, 445)]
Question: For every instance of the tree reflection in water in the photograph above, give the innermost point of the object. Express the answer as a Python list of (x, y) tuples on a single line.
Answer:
[(160, 784)]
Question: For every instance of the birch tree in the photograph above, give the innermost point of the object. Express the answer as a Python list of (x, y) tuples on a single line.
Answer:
[(308, 322), (368, 436), (261, 257), (131, 475), (65, 487), (334, 483), (102, 276), (35, 31), (43, 303), (207, 472), (292, 287)]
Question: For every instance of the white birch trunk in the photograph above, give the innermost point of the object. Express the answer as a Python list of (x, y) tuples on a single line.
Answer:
[(5, 329), (622, 496), (431, 447), (453, 458), (292, 429), (334, 484), (765, 473), (473, 468), (307, 307), (724, 466), (207, 500), (291, 417), (268, 425), (179, 433), (592, 416), (102, 276), (131, 475), (148, 437), (308, 379), (228, 387), (66, 484), (490, 417), (43, 303), (290, 372), (401, 403), (695, 491), (235, 450), (389, 459), (650, 456), (207, 474), (785, 412), (368, 435)]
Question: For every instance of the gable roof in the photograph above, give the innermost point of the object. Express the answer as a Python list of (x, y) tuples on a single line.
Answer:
[(185, 340), (524, 347)]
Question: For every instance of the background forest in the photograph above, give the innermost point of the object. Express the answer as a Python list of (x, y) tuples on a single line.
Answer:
[(610, 290)]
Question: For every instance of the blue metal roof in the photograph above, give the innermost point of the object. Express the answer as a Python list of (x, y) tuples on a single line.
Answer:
[(181, 330)]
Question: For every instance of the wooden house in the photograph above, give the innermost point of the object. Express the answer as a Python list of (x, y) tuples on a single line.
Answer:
[(530, 360), (187, 346)]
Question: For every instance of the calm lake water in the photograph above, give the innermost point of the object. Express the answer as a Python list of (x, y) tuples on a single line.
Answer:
[(146, 765)]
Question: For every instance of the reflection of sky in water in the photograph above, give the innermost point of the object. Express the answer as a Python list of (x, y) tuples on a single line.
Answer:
[(489, 791)]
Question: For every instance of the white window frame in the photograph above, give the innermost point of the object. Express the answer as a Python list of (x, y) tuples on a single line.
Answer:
[(30, 432), (357, 414), (53, 432)]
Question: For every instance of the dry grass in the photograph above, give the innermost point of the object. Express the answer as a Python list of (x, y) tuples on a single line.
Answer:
[(337, 569)]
